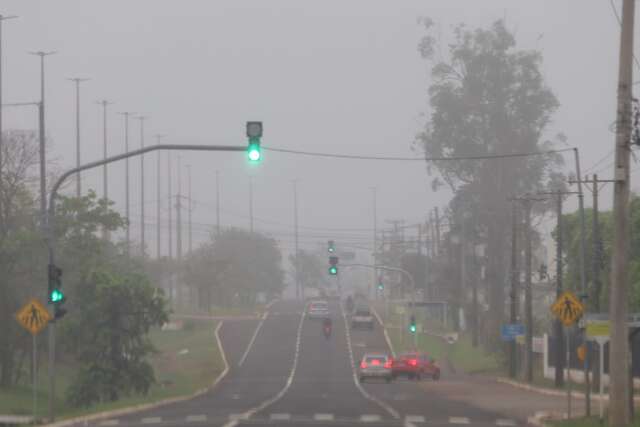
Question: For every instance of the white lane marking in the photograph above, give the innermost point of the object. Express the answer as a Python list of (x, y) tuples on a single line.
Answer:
[(281, 393), (503, 422), (280, 417), (458, 420), (384, 330), (236, 417), (223, 354), (196, 418), (372, 398), (323, 417), (151, 420), (414, 419), (370, 418), (253, 338), (109, 423)]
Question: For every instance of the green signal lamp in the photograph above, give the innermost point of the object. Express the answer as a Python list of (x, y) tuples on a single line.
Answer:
[(254, 152), (333, 270), (56, 296), (412, 325)]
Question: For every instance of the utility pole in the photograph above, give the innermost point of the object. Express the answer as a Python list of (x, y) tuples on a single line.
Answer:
[(619, 288), (2, 19), (251, 203), (179, 225), (77, 82), (159, 201), (375, 239), (105, 180), (190, 201), (170, 224), (437, 215), (217, 203), (45, 222), (557, 324), (295, 226), (126, 115), (515, 279), (142, 199)]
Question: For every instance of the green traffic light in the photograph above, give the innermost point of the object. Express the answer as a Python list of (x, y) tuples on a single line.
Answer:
[(412, 328), (253, 151), (56, 296), (380, 286), (333, 270)]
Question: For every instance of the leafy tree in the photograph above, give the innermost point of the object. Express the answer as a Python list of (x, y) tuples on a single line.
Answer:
[(311, 269), (488, 98)]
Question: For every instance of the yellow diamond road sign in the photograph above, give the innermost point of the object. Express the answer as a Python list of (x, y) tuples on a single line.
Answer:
[(567, 308), (33, 316)]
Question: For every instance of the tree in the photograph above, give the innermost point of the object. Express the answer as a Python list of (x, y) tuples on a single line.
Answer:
[(488, 98), (311, 269)]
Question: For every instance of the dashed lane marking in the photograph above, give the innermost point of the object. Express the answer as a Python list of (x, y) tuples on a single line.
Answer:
[(280, 417), (370, 418), (237, 417), (458, 420), (414, 419), (506, 423), (323, 417), (196, 418), (109, 423), (151, 420), (253, 338)]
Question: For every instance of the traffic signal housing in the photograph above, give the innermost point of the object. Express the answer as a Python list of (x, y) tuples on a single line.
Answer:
[(55, 295), (331, 246), (254, 133), (333, 265), (380, 284), (412, 324)]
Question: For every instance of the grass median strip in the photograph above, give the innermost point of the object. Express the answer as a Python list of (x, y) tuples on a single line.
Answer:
[(187, 360)]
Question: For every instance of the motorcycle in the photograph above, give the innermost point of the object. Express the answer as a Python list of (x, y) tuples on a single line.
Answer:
[(326, 328)]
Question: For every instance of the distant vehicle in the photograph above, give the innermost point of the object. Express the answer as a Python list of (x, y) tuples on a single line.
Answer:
[(327, 326), (362, 318), (375, 365), (415, 366), (318, 310)]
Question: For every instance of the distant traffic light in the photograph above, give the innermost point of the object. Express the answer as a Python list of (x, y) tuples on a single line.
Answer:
[(254, 133), (331, 246), (333, 265), (55, 294), (412, 324), (380, 284)]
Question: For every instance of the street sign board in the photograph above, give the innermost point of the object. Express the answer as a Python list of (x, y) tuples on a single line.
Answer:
[(510, 331), (33, 316), (567, 308), (597, 328)]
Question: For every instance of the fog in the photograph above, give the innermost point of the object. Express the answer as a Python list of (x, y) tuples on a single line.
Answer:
[(330, 76)]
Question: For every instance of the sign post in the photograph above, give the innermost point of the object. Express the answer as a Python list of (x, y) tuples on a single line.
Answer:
[(568, 309), (598, 330), (34, 317)]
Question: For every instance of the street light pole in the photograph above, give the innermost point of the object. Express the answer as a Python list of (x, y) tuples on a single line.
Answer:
[(375, 240), (295, 226), (189, 223), (127, 188), (159, 201), (217, 203), (77, 81), (142, 201)]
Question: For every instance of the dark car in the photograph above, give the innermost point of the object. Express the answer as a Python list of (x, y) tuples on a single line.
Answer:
[(415, 365)]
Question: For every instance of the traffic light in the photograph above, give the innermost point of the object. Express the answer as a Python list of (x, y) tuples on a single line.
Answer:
[(333, 265), (412, 324), (380, 284), (332, 246), (254, 133), (55, 294)]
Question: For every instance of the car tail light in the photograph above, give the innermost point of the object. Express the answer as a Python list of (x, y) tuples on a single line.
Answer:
[(363, 365), (413, 362), (375, 362), (388, 364)]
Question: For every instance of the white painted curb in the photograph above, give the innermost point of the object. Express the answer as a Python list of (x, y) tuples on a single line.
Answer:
[(146, 406)]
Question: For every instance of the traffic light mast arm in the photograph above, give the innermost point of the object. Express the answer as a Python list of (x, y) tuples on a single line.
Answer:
[(71, 172)]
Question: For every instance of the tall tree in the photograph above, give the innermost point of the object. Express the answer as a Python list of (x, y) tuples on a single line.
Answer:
[(487, 98)]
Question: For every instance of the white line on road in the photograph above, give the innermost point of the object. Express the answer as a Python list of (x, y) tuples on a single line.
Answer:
[(384, 330), (151, 420), (323, 417), (280, 417), (414, 419), (236, 417), (506, 423), (370, 418), (253, 338), (372, 398), (109, 423), (282, 392), (458, 420), (196, 418)]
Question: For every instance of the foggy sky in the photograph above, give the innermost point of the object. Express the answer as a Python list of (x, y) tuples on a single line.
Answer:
[(329, 76)]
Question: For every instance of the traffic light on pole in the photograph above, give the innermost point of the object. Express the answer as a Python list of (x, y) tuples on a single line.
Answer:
[(380, 284), (254, 133), (55, 294), (333, 265), (331, 246), (412, 324)]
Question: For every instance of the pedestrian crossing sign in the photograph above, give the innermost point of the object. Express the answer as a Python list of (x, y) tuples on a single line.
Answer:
[(567, 308), (33, 316)]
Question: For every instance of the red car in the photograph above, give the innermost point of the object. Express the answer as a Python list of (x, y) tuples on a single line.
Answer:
[(415, 366)]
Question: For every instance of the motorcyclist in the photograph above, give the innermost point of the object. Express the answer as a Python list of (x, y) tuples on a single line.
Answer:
[(327, 325)]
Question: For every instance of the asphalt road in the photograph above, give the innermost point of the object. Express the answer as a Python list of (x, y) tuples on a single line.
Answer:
[(291, 375)]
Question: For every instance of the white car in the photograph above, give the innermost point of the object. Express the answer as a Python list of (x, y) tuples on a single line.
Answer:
[(362, 318), (318, 310)]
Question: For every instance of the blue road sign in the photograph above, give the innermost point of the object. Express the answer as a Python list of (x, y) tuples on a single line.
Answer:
[(510, 331)]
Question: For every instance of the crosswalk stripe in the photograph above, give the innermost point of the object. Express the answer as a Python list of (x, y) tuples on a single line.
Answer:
[(109, 423), (196, 418), (323, 417), (370, 418), (280, 417), (458, 420), (151, 420), (506, 423), (414, 419)]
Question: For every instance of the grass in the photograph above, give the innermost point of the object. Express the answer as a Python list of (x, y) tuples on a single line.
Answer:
[(224, 311), (472, 360), (176, 375), (587, 422)]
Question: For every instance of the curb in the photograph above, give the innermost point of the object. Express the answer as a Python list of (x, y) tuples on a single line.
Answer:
[(384, 330), (137, 408), (551, 392), (538, 419)]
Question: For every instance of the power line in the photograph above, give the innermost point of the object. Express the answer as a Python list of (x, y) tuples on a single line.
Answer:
[(609, 154), (421, 159)]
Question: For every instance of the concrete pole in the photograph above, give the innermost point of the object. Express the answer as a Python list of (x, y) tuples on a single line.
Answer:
[(619, 288), (251, 203), (159, 199), (190, 200), (297, 253), (143, 250), (217, 203), (557, 324), (515, 279), (77, 82), (127, 197), (528, 357)]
